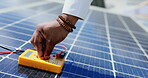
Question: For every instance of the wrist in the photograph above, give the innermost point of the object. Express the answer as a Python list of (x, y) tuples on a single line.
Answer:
[(71, 18)]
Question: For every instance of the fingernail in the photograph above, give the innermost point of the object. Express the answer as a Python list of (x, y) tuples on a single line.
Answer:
[(37, 56), (46, 57), (42, 58)]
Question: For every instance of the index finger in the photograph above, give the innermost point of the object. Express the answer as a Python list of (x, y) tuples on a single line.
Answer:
[(48, 50), (39, 44)]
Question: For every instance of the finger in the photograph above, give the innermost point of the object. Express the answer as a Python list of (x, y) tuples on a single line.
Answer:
[(38, 43), (39, 50), (32, 42), (48, 50)]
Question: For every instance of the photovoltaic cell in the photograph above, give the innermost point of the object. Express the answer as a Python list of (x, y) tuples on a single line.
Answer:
[(92, 53), (116, 23), (133, 26), (97, 17), (84, 71)]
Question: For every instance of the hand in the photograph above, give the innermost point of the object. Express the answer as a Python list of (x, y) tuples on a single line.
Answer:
[(47, 35)]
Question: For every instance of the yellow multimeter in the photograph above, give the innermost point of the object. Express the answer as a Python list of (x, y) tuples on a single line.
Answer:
[(28, 58)]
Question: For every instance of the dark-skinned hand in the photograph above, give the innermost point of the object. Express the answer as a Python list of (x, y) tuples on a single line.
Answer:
[(48, 34)]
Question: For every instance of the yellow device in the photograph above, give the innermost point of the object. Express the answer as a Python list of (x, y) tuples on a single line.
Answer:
[(28, 58)]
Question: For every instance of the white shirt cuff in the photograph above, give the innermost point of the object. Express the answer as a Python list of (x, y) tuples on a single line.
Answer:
[(78, 8)]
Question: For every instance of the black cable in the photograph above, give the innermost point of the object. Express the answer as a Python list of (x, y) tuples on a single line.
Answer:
[(6, 48)]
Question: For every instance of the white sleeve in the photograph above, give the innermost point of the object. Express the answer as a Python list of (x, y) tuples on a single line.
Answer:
[(78, 8)]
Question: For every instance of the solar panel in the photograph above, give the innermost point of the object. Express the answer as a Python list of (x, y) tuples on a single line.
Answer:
[(14, 3), (104, 45)]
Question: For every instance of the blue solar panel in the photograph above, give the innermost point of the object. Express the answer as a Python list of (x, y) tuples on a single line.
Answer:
[(104, 45), (13, 3)]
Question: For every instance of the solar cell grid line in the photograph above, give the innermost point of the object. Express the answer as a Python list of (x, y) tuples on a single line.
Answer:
[(119, 29), (93, 23), (98, 17), (133, 71), (5, 3), (117, 41), (78, 35), (6, 19), (97, 47), (112, 42), (116, 23), (88, 49), (127, 48), (133, 58), (22, 28), (138, 34), (10, 54), (110, 46), (117, 44), (107, 69), (97, 43), (10, 17), (127, 27), (133, 26), (95, 34), (91, 49), (132, 65), (54, 8), (128, 51), (10, 75), (17, 32), (117, 51), (75, 74), (143, 40), (6, 72), (12, 14), (12, 38), (142, 33), (94, 27), (29, 17), (90, 56), (101, 38), (89, 65), (114, 49), (123, 39), (101, 58), (123, 42), (118, 34)]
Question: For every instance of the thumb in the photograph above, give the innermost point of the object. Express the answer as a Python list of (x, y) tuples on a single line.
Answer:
[(48, 49)]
